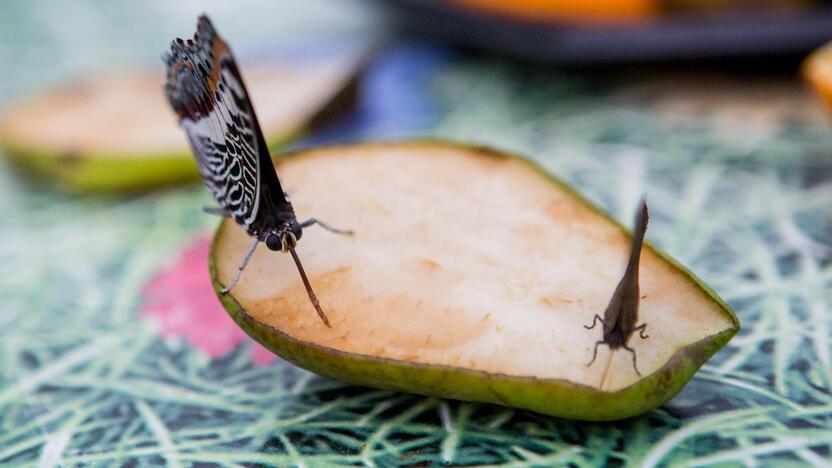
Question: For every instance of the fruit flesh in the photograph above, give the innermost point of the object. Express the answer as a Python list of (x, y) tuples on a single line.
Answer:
[(616, 10), (462, 259), (565, 9), (125, 115), (818, 72)]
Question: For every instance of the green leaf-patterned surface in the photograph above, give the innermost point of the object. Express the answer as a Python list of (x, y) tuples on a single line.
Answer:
[(737, 167)]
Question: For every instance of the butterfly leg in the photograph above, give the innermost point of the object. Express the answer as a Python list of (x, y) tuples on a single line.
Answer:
[(312, 221), (594, 321), (633, 352), (641, 329), (595, 352), (242, 266), (215, 211)]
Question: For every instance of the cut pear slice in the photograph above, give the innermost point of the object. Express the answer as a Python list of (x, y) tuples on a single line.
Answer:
[(115, 132), (471, 276)]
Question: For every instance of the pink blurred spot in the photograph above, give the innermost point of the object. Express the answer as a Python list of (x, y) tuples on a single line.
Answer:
[(181, 299)]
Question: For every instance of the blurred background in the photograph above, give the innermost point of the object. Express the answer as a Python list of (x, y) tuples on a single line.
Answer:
[(45, 42), (115, 350)]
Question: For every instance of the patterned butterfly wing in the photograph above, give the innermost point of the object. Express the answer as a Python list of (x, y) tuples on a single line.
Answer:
[(206, 91)]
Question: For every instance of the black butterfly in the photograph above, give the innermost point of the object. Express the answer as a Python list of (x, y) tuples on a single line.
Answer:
[(621, 316), (206, 90)]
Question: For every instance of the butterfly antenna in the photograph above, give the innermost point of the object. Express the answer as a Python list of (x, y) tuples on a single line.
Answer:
[(309, 290)]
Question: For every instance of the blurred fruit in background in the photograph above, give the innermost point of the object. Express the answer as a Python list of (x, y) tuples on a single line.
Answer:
[(114, 131), (579, 32), (559, 10), (543, 10), (817, 69)]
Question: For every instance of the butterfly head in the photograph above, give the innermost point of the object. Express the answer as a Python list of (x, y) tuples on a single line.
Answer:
[(285, 238)]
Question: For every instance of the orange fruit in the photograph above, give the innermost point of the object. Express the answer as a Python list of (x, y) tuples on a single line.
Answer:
[(544, 10), (817, 69)]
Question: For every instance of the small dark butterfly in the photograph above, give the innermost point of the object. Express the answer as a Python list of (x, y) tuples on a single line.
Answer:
[(206, 91), (621, 316)]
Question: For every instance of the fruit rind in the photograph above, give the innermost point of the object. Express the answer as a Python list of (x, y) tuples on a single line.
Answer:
[(554, 397), (109, 173)]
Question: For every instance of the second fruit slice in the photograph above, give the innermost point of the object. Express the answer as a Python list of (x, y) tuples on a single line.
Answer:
[(115, 132)]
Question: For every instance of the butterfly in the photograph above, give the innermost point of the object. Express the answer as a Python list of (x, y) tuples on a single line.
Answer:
[(621, 315), (206, 90)]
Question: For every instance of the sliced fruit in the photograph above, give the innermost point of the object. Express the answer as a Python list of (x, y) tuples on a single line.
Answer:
[(616, 10), (116, 132), (554, 10), (471, 276), (817, 69)]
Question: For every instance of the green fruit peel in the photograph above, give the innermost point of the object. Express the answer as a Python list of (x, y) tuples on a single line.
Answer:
[(470, 276)]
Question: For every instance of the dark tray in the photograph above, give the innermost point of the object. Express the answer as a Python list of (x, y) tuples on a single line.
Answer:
[(669, 37)]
